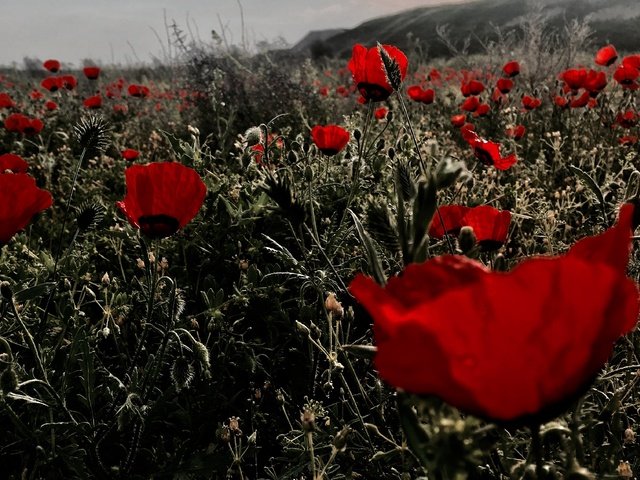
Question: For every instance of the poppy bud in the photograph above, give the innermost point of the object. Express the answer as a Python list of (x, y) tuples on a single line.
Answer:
[(380, 144), (292, 157), (5, 290), (357, 134), (253, 136), (9, 380), (389, 116), (467, 239), (391, 153), (202, 353), (333, 306), (308, 420), (340, 440)]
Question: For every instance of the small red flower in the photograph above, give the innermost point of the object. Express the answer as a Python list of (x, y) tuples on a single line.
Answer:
[(504, 85), (330, 139), (50, 105), (574, 78), (489, 152), (632, 61), (323, 91), (581, 101), (449, 327), (368, 71), (17, 122), (92, 73), (417, 94), (130, 154), (380, 113), (36, 95), (458, 120), (93, 102), (52, 84), (162, 197), (52, 65), (516, 132), (531, 103), (606, 56), (138, 90), (473, 87), (13, 162), (69, 81), (490, 225), (470, 104), (20, 200), (595, 82), (628, 140), (511, 69), (482, 110), (626, 119), (6, 101), (560, 101)]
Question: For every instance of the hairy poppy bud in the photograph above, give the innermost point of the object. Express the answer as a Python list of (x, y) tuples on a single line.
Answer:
[(5, 290), (467, 239)]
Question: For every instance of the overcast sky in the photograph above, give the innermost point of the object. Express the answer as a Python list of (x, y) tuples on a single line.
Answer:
[(122, 31)]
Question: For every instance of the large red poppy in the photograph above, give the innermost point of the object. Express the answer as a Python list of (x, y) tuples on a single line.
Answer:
[(504, 85), (330, 139), (20, 200), (369, 74), (490, 225), (13, 162), (574, 78), (162, 197), (505, 346)]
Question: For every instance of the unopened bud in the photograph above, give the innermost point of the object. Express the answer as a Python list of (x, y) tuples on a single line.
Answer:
[(333, 306), (253, 136), (5, 290), (340, 440), (357, 134), (308, 420), (292, 157), (380, 144), (106, 281), (467, 239)]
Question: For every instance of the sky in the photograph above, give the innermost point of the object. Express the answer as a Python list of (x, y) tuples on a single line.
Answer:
[(126, 31)]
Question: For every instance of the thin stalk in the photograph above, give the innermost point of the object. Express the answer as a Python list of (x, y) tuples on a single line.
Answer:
[(536, 449)]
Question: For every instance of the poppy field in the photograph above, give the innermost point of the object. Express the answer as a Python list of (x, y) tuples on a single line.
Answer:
[(376, 267)]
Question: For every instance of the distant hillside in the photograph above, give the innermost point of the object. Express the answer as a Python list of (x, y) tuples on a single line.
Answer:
[(613, 21)]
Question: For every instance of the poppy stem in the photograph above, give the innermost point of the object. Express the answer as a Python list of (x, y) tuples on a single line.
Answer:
[(536, 449)]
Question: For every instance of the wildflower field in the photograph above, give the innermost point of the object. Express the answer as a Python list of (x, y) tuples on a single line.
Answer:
[(376, 267)]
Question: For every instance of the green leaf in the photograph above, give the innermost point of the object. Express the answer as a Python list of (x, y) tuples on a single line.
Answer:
[(592, 185), (36, 291), (373, 259), (424, 207), (26, 398)]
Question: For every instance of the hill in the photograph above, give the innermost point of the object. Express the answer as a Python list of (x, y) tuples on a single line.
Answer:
[(612, 21)]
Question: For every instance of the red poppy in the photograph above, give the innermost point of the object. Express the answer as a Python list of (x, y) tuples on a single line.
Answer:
[(162, 197), (574, 78), (511, 69), (92, 73), (330, 139), (595, 82), (324, 91), (50, 105), (381, 113), (516, 132), (489, 224), (626, 119), (482, 110), (138, 90), (369, 74), (52, 84), (537, 335), (130, 154), (20, 200), (6, 101), (561, 101), (52, 65), (606, 56), (470, 104), (458, 120), (531, 103), (489, 152), (473, 87), (632, 61), (581, 101), (628, 140), (498, 97), (504, 85), (626, 75), (13, 162), (36, 95), (93, 102), (69, 82), (417, 94), (17, 122)]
